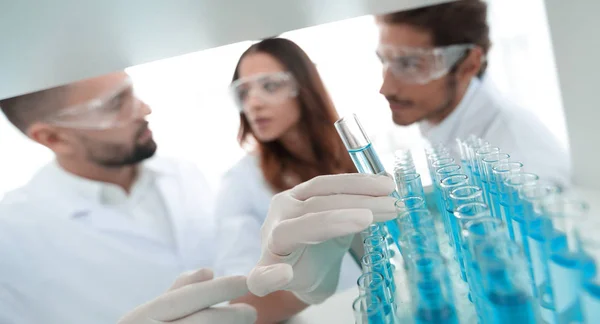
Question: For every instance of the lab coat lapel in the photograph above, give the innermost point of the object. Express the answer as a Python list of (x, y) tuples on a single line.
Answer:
[(110, 220), (173, 196)]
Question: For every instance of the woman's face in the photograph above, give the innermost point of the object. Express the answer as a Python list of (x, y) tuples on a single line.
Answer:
[(267, 96)]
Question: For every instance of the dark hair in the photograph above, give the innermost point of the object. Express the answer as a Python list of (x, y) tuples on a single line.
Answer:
[(24, 110), (457, 22), (317, 117)]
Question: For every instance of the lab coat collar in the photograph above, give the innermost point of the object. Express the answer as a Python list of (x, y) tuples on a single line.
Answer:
[(75, 195), (441, 132)]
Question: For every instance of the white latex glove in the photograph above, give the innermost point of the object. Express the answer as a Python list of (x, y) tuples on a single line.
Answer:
[(309, 228), (189, 301)]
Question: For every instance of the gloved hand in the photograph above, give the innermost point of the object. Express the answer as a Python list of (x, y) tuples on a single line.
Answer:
[(189, 301), (309, 229)]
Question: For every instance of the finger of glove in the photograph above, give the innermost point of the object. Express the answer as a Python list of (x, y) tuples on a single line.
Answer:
[(314, 228), (194, 297), (232, 314), (192, 277), (264, 280), (382, 207), (352, 184)]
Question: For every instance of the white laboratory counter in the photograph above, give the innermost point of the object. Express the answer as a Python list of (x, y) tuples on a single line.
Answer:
[(337, 309)]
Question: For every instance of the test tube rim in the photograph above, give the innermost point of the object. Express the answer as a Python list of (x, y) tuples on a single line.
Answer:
[(496, 170), (377, 309), (468, 233), (532, 179), (461, 175), (435, 164), (486, 160), (548, 189), (373, 274), (453, 165), (461, 215), (478, 192), (403, 199), (479, 152), (373, 236)]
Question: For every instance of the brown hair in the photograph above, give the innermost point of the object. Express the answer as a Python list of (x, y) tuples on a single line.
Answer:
[(317, 116), (457, 22), (24, 110)]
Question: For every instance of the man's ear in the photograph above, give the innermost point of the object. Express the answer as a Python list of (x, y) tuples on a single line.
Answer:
[(50, 137), (471, 65)]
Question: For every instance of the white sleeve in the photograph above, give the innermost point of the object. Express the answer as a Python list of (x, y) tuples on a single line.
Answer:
[(238, 225)]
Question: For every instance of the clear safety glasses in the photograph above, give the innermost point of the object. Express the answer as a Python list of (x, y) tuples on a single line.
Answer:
[(419, 65), (271, 88), (114, 109)]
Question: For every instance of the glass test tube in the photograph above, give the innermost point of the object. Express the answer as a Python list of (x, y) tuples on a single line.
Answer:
[(475, 234), (505, 283), (472, 152), (531, 195), (462, 215), (441, 173), (590, 294), (409, 185), (566, 263), (481, 154), (376, 243), (501, 172), (417, 219), (403, 206), (373, 284), (510, 202), (487, 176), (436, 166), (364, 156), (377, 262), (368, 309), (433, 300), (447, 185)]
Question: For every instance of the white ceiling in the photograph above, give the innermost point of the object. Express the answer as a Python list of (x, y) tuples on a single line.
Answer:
[(48, 43)]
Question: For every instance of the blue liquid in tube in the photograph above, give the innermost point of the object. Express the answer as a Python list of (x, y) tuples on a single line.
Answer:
[(590, 302), (366, 160)]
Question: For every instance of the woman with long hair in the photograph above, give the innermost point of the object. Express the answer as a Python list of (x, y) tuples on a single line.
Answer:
[(287, 127)]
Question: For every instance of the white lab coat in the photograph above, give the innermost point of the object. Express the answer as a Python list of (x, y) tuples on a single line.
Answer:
[(241, 207), (66, 260), (516, 131)]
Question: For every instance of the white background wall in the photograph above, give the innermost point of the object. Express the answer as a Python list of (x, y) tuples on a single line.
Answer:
[(189, 93), (577, 47)]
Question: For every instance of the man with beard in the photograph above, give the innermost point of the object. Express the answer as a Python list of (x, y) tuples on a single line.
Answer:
[(101, 233), (102, 228), (434, 60)]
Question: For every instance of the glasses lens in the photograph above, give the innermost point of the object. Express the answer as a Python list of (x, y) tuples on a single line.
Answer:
[(268, 88)]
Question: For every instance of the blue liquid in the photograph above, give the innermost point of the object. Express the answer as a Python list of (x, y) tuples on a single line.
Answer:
[(433, 307), (566, 276), (542, 239), (444, 315), (520, 232), (512, 308), (506, 212), (495, 206), (458, 249), (366, 160), (590, 303)]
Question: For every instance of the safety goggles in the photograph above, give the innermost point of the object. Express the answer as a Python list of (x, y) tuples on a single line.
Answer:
[(113, 109), (419, 65), (271, 88)]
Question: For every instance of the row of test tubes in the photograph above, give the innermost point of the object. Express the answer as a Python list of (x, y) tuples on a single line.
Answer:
[(549, 245), (525, 250)]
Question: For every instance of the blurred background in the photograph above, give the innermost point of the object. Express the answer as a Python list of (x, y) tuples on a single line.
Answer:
[(193, 115)]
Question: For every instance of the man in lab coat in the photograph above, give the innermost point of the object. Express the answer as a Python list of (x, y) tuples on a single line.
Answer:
[(434, 59), (104, 229)]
